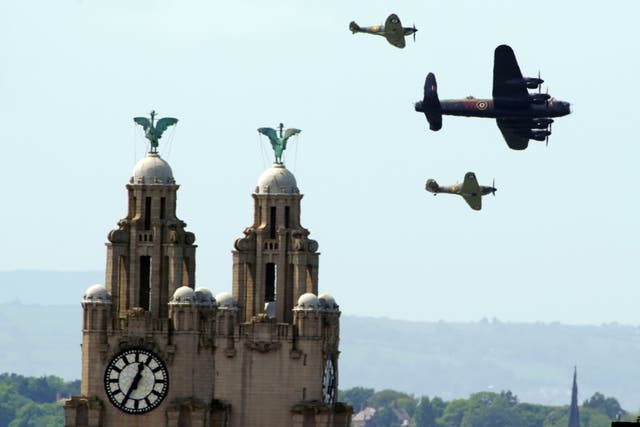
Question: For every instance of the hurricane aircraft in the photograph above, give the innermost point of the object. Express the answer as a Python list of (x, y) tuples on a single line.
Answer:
[(520, 115), (392, 30), (470, 190)]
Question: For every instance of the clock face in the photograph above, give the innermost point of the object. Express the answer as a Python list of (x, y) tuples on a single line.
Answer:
[(136, 381), (329, 383)]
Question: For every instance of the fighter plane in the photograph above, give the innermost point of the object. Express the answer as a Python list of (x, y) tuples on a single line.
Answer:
[(520, 115), (470, 190), (392, 30)]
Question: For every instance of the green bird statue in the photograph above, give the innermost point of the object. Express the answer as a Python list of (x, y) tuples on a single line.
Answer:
[(279, 142), (154, 131)]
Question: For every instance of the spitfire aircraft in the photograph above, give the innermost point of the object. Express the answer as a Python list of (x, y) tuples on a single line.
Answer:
[(470, 190), (392, 30), (520, 115)]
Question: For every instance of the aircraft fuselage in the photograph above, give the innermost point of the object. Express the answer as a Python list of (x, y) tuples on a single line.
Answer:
[(473, 107), (378, 30), (457, 189)]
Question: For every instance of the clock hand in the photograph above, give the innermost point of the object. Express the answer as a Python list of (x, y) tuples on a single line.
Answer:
[(134, 383)]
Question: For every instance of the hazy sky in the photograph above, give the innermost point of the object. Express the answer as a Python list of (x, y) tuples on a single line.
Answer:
[(559, 242)]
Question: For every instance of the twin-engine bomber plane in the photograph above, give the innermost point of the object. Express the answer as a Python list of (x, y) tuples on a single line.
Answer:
[(470, 190), (392, 30), (520, 115)]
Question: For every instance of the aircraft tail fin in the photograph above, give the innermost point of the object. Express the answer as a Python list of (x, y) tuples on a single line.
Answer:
[(432, 186), (431, 103), (354, 27)]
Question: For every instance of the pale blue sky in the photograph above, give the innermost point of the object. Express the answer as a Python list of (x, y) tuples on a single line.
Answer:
[(558, 243)]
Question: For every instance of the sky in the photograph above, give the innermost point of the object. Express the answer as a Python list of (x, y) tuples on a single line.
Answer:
[(559, 242)]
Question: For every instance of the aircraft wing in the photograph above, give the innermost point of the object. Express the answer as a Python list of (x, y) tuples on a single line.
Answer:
[(470, 191), (470, 184), (474, 201), (509, 88), (512, 132), (393, 31)]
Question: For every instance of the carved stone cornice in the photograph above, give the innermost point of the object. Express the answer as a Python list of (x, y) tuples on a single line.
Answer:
[(263, 346)]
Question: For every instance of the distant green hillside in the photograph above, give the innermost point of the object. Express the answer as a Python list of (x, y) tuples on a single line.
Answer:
[(451, 360), (38, 336)]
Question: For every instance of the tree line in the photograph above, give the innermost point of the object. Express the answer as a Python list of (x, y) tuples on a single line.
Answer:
[(33, 402), (483, 409)]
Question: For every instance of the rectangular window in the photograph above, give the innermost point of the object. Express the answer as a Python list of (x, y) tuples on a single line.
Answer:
[(163, 203), (287, 215), (145, 281), (147, 213), (272, 223), (270, 282)]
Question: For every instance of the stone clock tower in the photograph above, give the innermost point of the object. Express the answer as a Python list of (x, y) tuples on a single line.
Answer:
[(277, 340), (159, 351), (148, 335)]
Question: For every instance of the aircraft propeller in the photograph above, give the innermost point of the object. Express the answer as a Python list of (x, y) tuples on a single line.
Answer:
[(546, 142), (547, 92), (539, 84), (414, 32), (493, 187)]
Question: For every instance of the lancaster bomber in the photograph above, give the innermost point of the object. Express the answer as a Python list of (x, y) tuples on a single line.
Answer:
[(470, 190), (520, 115), (392, 30)]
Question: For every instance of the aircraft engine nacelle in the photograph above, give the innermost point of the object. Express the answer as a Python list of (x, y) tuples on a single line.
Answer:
[(432, 186), (539, 98), (539, 135), (541, 123), (533, 82)]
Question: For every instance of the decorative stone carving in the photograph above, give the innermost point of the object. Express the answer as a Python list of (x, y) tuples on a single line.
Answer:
[(121, 235), (246, 243), (263, 346), (312, 246), (189, 238)]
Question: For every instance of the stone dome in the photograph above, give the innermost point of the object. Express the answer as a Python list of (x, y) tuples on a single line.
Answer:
[(97, 294), (226, 301), (152, 169), (277, 180), (204, 297), (308, 301), (327, 302), (183, 295)]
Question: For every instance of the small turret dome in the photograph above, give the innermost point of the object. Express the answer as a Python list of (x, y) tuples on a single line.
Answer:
[(277, 180), (307, 301), (183, 295), (226, 301), (152, 170), (204, 297), (327, 302), (97, 294)]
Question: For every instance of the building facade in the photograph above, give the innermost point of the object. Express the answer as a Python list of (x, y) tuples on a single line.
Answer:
[(159, 351)]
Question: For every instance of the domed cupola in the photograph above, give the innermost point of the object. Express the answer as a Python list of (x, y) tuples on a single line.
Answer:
[(226, 301), (327, 302), (184, 295), (307, 302), (153, 170), (277, 180), (204, 297), (97, 294)]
